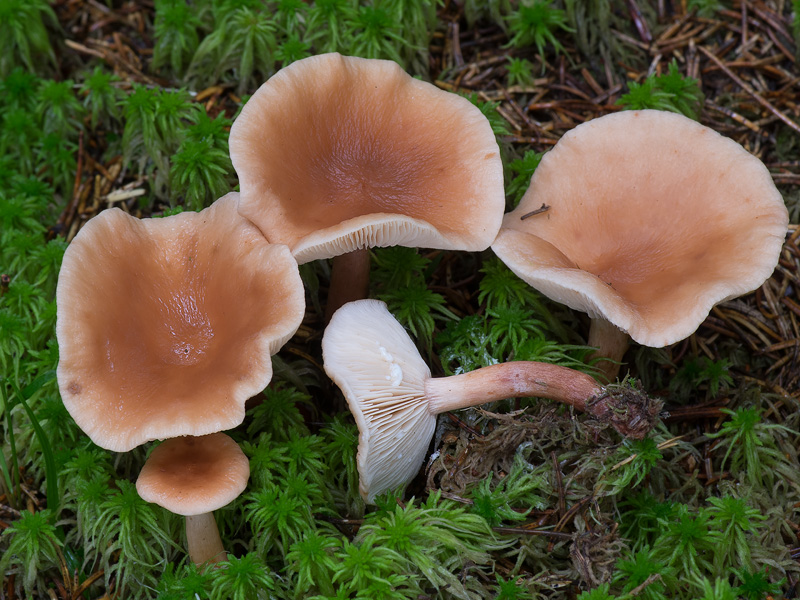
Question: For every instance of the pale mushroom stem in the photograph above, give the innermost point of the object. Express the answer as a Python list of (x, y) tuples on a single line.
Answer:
[(349, 280), (202, 538), (611, 343), (628, 410)]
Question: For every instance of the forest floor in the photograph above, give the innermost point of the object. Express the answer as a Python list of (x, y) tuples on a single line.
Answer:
[(744, 58)]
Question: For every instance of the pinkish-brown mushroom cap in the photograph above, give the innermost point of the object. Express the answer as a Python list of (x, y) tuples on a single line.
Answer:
[(653, 219), (194, 475), (166, 326), (337, 153)]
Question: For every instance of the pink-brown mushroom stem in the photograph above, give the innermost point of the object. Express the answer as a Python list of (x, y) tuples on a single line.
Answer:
[(203, 541), (349, 280), (628, 410), (194, 476), (611, 343)]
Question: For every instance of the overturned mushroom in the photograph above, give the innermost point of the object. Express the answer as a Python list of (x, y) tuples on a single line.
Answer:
[(336, 154), (194, 476), (166, 326), (652, 220), (395, 400)]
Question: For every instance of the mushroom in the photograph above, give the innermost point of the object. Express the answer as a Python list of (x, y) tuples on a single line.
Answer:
[(166, 326), (194, 476), (336, 154), (394, 399), (651, 220)]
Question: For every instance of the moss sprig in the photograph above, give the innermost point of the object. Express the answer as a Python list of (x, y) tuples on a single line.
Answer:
[(535, 24), (19, 90), (59, 110), (434, 538), (277, 520), (122, 522), (399, 278), (644, 571), (102, 98), (519, 72), (245, 578), (176, 34), (670, 91), (376, 34), (310, 561), (522, 169), (241, 47), (733, 527), (523, 486), (686, 543), (33, 546), (24, 37), (751, 448)]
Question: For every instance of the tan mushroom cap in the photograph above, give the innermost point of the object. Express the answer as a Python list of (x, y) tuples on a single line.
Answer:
[(336, 153), (166, 326), (653, 219), (384, 384), (194, 475)]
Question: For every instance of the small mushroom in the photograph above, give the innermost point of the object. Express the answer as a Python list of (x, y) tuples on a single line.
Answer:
[(336, 154), (166, 326), (651, 220), (394, 399), (194, 476)]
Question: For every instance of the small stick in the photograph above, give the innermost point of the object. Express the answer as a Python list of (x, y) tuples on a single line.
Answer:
[(652, 579), (542, 209), (640, 22), (732, 115), (562, 501), (744, 23), (762, 101), (544, 532)]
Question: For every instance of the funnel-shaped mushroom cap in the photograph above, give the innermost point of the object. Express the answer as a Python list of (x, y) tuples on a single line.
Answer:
[(194, 475), (372, 359), (653, 219), (337, 153), (166, 326)]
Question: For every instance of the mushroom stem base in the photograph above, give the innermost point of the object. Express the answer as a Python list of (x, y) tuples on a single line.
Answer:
[(629, 410), (349, 280), (202, 538), (611, 343)]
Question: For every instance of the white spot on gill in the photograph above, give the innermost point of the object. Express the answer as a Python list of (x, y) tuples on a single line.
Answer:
[(395, 376)]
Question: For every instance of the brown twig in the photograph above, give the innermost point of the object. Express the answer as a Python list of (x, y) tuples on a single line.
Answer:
[(765, 103)]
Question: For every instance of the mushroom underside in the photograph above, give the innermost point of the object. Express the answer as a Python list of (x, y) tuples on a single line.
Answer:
[(382, 376)]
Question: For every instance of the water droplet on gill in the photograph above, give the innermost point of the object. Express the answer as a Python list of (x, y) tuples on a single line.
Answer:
[(396, 374)]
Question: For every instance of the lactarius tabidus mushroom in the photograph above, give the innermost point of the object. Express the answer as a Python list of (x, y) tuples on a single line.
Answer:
[(336, 154), (166, 326), (394, 399), (194, 476), (651, 220)]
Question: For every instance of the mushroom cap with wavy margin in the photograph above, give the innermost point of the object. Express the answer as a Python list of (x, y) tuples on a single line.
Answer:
[(166, 326), (372, 359), (653, 219), (336, 153)]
